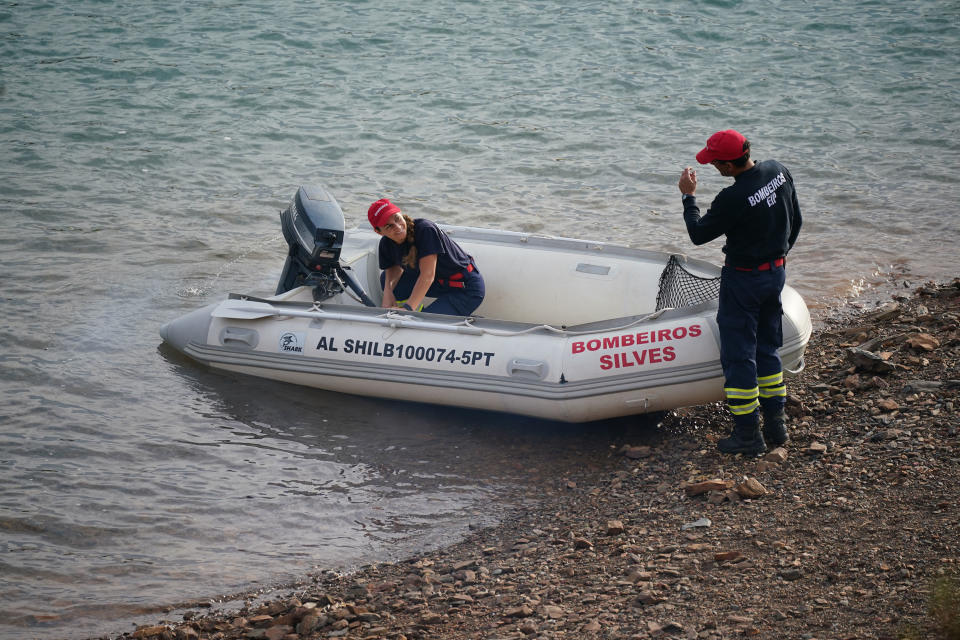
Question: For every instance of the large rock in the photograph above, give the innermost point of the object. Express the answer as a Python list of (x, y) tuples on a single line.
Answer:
[(750, 488), (636, 453), (278, 632), (887, 404), (923, 342), (553, 612), (778, 455), (310, 622), (868, 361)]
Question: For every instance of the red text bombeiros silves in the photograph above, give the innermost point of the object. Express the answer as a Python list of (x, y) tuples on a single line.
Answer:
[(643, 353)]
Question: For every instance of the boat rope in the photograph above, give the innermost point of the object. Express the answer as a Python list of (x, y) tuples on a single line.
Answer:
[(400, 319), (469, 322)]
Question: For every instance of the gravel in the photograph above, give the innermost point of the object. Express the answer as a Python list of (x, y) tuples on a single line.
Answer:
[(839, 534)]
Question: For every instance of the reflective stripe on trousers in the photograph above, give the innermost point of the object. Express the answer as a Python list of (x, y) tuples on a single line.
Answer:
[(742, 402), (750, 321), (772, 386)]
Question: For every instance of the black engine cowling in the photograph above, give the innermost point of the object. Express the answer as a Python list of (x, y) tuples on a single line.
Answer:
[(313, 228)]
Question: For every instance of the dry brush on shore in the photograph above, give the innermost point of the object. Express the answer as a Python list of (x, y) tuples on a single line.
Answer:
[(841, 534)]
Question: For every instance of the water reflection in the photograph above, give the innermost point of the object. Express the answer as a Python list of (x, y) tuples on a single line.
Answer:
[(428, 441)]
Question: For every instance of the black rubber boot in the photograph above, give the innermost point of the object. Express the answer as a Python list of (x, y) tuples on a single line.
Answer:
[(745, 439), (775, 428)]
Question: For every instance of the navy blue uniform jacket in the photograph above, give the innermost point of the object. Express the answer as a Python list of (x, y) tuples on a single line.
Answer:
[(429, 240), (758, 213)]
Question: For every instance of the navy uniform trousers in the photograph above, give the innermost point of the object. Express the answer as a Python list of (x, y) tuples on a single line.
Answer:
[(450, 300), (751, 333)]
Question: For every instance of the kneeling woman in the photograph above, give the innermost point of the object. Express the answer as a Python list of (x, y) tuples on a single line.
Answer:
[(419, 260)]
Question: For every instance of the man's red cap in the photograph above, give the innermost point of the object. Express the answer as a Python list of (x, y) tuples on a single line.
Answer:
[(724, 146), (380, 211)]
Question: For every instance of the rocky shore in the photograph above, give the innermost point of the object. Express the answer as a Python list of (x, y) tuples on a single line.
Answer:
[(839, 534)]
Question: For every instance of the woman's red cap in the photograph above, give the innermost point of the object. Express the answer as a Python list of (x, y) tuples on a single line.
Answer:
[(380, 211)]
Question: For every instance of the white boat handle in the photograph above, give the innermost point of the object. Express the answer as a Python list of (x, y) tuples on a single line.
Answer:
[(524, 368), (234, 336), (794, 372)]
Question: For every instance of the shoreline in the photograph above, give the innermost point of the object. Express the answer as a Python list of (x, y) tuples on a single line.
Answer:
[(840, 534)]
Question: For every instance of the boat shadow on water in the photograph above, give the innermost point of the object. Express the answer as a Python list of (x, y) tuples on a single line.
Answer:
[(390, 433)]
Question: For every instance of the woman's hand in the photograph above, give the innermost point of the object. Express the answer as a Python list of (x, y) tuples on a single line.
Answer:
[(390, 279), (428, 272)]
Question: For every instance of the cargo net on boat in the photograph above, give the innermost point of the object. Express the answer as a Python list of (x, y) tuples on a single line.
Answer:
[(680, 288)]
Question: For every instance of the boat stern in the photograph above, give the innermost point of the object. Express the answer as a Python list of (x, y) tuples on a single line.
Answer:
[(797, 329)]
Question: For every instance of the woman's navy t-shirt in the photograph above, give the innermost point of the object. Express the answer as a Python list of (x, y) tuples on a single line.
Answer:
[(429, 240)]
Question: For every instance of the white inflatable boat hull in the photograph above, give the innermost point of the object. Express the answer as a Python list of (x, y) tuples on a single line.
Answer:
[(568, 331)]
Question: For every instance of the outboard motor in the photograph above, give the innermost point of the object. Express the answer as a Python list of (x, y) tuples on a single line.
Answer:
[(313, 228)]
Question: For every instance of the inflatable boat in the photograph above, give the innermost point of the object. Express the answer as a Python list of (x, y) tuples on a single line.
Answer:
[(570, 330)]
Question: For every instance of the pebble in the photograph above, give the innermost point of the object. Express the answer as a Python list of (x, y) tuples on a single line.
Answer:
[(816, 448), (615, 527), (728, 556), (702, 522), (582, 543)]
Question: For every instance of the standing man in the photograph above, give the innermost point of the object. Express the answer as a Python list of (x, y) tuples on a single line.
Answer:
[(760, 216)]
